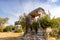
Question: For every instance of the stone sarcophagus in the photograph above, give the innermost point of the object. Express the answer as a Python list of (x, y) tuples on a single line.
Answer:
[(31, 34)]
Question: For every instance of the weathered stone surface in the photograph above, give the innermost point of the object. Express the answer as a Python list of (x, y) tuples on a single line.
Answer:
[(31, 34), (34, 36)]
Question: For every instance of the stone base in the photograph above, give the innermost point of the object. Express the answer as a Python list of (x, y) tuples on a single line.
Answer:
[(32, 37)]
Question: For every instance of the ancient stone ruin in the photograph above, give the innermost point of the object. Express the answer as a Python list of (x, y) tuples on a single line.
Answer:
[(31, 34)]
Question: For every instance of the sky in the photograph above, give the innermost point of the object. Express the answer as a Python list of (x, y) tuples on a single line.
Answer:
[(15, 8)]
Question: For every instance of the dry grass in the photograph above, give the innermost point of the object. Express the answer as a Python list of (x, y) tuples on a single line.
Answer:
[(15, 36), (51, 38), (9, 36)]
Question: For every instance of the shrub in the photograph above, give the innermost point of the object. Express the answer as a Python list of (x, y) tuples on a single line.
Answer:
[(18, 30), (8, 29), (35, 26), (1, 28)]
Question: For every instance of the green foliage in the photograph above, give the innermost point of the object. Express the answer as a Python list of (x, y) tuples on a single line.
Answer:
[(55, 32), (45, 21), (1, 28), (2, 22), (21, 21), (8, 28), (53, 23), (19, 30), (35, 26), (59, 32), (17, 23)]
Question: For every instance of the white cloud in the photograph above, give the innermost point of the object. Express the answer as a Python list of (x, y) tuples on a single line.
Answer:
[(52, 0), (29, 6), (55, 11)]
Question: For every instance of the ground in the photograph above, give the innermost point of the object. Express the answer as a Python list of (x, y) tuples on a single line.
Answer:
[(9, 36), (15, 36)]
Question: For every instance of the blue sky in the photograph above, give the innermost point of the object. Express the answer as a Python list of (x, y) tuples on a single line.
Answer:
[(14, 8)]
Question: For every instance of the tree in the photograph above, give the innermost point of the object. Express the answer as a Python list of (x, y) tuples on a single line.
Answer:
[(55, 27), (22, 21), (17, 23), (45, 21), (2, 23)]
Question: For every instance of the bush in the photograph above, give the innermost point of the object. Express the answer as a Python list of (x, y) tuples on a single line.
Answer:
[(55, 32), (1, 28), (19, 30), (8, 29), (35, 26)]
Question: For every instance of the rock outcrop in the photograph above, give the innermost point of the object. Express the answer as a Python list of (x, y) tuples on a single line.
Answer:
[(31, 34)]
